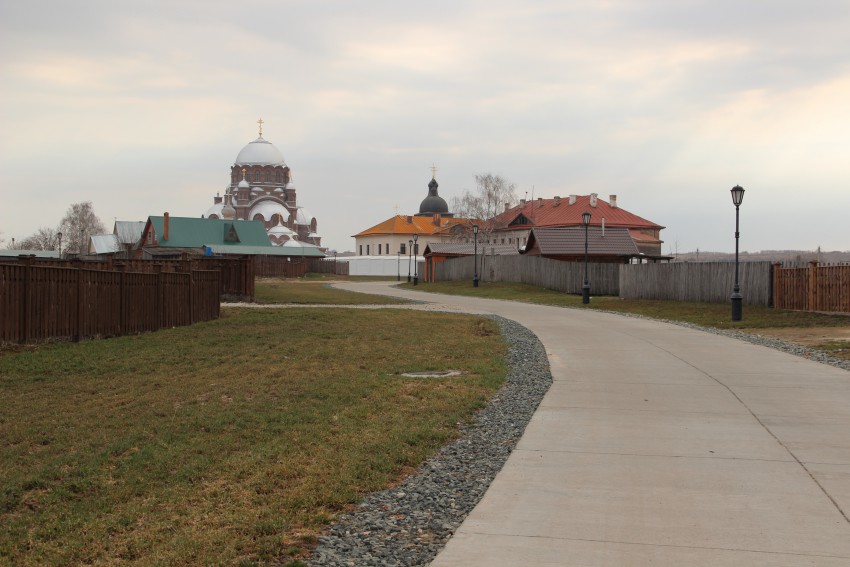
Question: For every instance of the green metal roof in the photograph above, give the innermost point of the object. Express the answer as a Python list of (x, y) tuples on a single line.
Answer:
[(190, 232), (300, 252)]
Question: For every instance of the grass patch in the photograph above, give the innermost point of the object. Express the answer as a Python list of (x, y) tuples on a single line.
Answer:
[(229, 442), (315, 276), (717, 315), (268, 290), (838, 349)]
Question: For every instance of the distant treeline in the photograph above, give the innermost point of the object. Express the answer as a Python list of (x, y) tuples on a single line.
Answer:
[(800, 257)]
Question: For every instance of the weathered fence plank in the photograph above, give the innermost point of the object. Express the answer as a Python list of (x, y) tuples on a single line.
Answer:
[(533, 270), (696, 281), (701, 281), (40, 303), (815, 288)]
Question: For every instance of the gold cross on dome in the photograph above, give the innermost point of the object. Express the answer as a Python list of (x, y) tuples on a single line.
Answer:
[(433, 171), (260, 122)]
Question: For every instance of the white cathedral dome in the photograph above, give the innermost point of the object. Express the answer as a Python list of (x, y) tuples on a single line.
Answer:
[(303, 217), (267, 209), (280, 230), (215, 210), (260, 152)]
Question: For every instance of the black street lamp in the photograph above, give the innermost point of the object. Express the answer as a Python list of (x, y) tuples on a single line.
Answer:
[(398, 265), (737, 300), (585, 288), (409, 252), (475, 234), (415, 261), (59, 235)]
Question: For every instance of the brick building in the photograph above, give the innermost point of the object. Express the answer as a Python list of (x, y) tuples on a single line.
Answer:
[(261, 189)]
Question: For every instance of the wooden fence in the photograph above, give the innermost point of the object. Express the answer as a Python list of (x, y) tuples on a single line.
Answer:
[(816, 288), (279, 267), (236, 274), (327, 266), (696, 281), (39, 302), (533, 270)]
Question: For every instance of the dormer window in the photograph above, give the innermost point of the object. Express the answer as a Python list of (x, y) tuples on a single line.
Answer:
[(231, 235)]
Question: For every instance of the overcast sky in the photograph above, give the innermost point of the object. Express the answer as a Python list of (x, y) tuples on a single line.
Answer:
[(142, 107)]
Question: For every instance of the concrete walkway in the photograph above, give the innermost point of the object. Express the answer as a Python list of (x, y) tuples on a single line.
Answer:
[(664, 446)]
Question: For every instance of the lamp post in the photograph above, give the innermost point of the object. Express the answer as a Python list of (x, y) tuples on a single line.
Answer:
[(737, 300), (585, 288), (59, 235), (409, 252), (398, 265), (415, 262), (475, 234)]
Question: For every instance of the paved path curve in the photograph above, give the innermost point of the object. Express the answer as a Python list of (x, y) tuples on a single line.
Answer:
[(665, 446)]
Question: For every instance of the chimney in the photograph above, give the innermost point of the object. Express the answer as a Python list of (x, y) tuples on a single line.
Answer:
[(612, 200), (539, 202), (593, 199), (522, 202), (507, 207), (165, 229), (557, 201), (437, 219), (409, 219), (572, 200)]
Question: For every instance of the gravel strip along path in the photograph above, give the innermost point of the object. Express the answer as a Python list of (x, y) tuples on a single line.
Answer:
[(407, 525)]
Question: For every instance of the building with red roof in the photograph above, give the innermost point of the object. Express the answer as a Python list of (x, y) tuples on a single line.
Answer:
[(514, 225)]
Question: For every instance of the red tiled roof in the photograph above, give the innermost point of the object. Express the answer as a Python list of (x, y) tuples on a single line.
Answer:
[(637, 235), (544, 212)]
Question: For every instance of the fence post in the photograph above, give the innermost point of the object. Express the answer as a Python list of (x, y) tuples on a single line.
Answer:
[(160, 316), (77, 266), (774, 284), (27, 298), (191, 297), (122, 305), (812, 304)]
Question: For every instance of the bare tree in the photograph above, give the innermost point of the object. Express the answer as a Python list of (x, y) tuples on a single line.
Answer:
[(77, 226), (43, 239), (492, 193)]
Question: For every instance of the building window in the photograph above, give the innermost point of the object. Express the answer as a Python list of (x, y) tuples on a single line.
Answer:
[(277, 177), (402, 249), (367, 249), (361, 249), (379, 249), (388, 248)]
